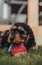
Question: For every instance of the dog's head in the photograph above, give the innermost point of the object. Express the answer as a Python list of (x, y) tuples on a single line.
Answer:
[(18, 33), (21, 32)]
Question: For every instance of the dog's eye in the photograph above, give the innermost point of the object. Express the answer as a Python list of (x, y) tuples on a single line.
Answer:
[(14, 31), (22, 32)]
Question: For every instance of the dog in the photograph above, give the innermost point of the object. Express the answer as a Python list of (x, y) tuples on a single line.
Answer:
[(21, 33)]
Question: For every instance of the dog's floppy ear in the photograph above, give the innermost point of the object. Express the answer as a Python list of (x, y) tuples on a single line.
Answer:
[(9, 38)]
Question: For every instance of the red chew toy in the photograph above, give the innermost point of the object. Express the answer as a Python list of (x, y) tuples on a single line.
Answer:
[(18, 49)]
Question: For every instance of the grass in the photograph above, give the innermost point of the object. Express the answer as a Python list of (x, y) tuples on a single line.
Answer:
[(31, 58)]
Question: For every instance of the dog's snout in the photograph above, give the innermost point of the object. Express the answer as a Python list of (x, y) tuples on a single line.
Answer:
[(17, 38)]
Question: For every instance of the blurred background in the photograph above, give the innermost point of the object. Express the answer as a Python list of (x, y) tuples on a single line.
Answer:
[(12, 11)]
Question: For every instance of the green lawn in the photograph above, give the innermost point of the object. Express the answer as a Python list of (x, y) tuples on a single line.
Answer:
[(31, 58)]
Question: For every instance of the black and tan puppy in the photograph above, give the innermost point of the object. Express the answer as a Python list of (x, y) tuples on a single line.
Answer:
[(21, 32), (26, 34)]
